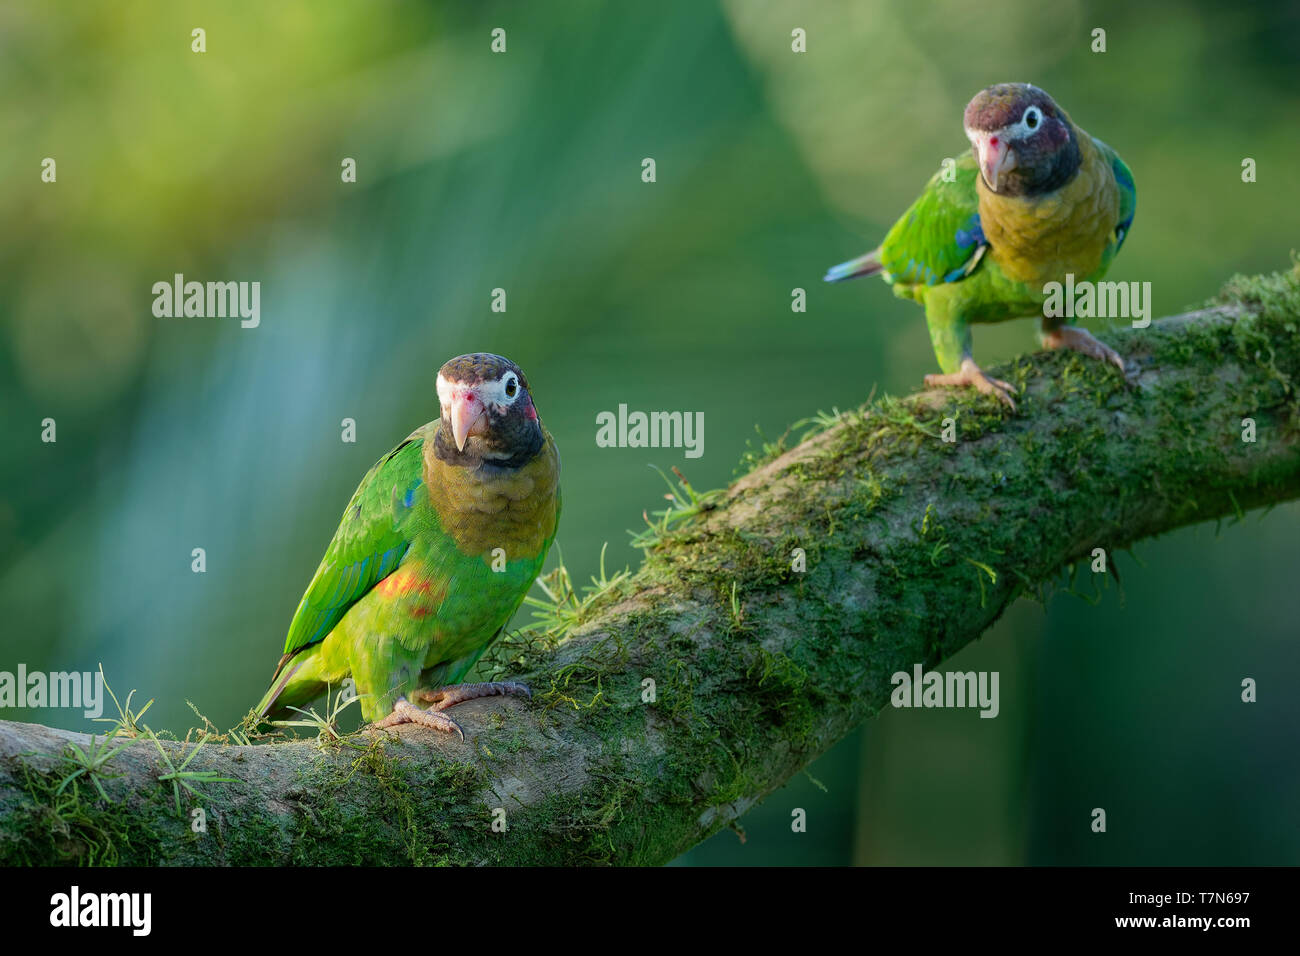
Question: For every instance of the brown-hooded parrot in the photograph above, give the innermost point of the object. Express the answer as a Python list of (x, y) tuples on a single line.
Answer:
[(433, 555), (1036, 199)]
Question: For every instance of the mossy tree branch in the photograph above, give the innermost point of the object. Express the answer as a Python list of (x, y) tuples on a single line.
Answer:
[(913, 547)]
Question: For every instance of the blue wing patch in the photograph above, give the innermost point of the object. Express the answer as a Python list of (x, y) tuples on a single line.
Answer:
[(970, 236)]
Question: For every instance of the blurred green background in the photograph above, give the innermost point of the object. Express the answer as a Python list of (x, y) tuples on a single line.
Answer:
[(523, 171)]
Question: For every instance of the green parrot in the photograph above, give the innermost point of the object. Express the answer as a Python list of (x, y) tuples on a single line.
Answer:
[(433, 556), (1036, 199)]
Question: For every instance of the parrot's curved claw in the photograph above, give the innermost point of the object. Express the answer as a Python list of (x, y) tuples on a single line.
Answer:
[(972, 375), (404, 712)]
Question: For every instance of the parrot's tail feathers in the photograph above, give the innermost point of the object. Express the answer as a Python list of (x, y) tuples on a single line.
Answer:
[(280, 666), (279, 680), (865, 265)]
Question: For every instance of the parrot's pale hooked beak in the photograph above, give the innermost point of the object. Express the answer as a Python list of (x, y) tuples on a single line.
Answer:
[(995, 156), (468, 415)]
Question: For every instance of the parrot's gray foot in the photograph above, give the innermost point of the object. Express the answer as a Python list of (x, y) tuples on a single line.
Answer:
[(454, 694), (1081, 340), (404, 712), (972, 375)]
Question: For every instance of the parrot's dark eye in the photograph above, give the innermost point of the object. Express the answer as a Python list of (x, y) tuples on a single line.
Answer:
[(1033, 116), (511, 385)]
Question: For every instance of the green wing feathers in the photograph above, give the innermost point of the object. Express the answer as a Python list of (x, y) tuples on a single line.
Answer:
[(1127, 192), (939, 238), (371, 540)]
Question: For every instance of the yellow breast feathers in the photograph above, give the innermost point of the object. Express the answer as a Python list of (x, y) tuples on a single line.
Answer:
[(1038, 239), (514, 509)]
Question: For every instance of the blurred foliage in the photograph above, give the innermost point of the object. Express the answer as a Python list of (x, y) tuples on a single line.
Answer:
[(522, 170)]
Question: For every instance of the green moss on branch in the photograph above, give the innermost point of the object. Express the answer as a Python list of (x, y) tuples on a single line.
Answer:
[(669, 701)]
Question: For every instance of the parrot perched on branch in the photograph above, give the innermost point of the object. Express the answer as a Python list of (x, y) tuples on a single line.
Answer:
[(433, 556), (1036, 199)]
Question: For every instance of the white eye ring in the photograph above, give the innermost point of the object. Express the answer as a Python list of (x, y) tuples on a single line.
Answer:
[(509, 387), (1032, 119)]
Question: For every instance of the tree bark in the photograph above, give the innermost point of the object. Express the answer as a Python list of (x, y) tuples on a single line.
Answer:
[(910, 545)]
